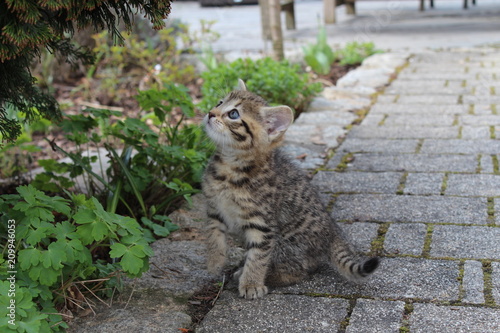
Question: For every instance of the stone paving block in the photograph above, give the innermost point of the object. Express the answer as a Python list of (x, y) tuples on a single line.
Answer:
[(460, 146), (374, 316), (323, 104), (274, 313), (414, 162), (475, 132), (472, 99), (304, 156), (485, 109), (360, 234), (405, 238), (431, 318), (473, 282), (373, 119), (487, 165), (355, 182), (404, 132), (497, 211), (331, 135), (386, 99), (433, 76), (322, 118), (495, 282), (395, 278), (474, 242), (473, 185), (430, 90), (480, 120), (405, 208), (423, 183), (423, 84), (428, 99), (422, 110), (416, 120), (379, 145)]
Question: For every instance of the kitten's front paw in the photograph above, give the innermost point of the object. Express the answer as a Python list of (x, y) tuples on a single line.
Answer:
[(250, 291), (215, 264)]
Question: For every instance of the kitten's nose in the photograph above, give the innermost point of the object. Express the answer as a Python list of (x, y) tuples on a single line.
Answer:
[(210, 115)]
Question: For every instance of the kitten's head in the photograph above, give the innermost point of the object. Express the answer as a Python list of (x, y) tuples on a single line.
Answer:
[(244, 121)]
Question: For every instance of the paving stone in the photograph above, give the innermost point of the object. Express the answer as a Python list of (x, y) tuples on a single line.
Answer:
[(370, 77), (480, 120), (414, 162), (331, 135), (473, 185), (340, 118), (386, 98), (404, 132), (433, 76), (473, 282), (476, 132), (497, 211), (423, 84), (423, 183), (360, 234), (422, 110), (434, 120), (472, 99), (356, 145), (485, 109), (301, 134), (431, 318), (395, 278), (460, 146), (404, 208), (355, 182), (374, 316), (465, 242), (405, 238), (428, 99), (274, 313), (303, 156), (390, 60), (373, 119), (487, 165), (495, 282), (411, 89)]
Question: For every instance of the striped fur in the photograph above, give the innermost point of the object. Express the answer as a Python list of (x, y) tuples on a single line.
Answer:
[(255, 191)]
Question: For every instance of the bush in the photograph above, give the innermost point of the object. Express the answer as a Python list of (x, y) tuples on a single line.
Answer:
[(278, 82), (50, 243)]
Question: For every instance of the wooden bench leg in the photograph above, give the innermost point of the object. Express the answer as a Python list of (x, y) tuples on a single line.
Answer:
[(350, 7), (329, 10), (432, 3), (465, 4), (422, 6), (289, 10)]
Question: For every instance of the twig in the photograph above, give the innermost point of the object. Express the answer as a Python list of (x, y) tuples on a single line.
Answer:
[(131, 293), (100, 106), (220, 290)]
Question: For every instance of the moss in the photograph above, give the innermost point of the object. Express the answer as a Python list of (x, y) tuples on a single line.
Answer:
[(382, 122), (471, 109), (420, 143), (491, 212), (492, 90), (460, 132), (460, 99), (492, 133), (427, 242), (460, 279), (346, 159), (495, 164), (402, 184), (405, 325), (377, 245), (494, 109), (444, 184), (488, 283)]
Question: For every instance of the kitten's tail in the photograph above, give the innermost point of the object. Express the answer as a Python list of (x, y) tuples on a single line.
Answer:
[(349, 264)]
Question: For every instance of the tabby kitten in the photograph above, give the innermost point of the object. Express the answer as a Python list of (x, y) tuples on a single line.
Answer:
[(255, 191)]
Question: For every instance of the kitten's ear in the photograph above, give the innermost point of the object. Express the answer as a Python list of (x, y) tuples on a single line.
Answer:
[(241, 85), (278, 119)]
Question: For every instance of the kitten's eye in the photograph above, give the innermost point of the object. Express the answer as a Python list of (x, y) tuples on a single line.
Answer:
[(218, 104), (233, 114)]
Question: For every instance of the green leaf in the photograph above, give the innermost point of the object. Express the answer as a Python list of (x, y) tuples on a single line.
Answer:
[(29, 257), (117, 250)]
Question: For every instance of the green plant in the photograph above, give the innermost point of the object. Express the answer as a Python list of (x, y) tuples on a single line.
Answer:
[(154, 161), (319, 56), (354, 53), (278, 82), (27, 27), (50, 243)]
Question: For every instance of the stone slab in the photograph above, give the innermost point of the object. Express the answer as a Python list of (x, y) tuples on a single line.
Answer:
[(495, 282), (422, 110), (497, 211), (473, 185), (274, 313), (357, 182), (405, 238), (473, 282), (404, 132), (360, 234), (487, 165), (418, 120), (423, 183), (474, 242), (323, 118), (414, 162), (404, 208), (355, 145), (475, 132), (395, 278), (304, 156), (480, 120), (460, 146), (428, 99), (431, 318), (374, 316)]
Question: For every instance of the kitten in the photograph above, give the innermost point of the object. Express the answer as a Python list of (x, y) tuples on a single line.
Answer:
[(255, 191)]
